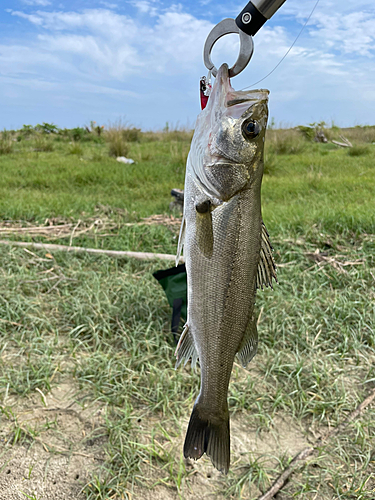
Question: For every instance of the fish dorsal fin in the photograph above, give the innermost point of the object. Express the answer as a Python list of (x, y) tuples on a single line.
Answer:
[(249, 344), (267, 267), (186, 348), (181, 240)]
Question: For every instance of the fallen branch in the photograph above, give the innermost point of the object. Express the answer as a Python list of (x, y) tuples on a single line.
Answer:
[(321, 258), (34, 229), (346, 141), (342, 144), (345, 144), (302, 456), (111, 253)]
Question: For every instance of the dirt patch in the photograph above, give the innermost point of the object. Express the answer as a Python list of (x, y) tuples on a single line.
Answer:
[(247, 446), (52, 444), (284, 437), (35, 472)]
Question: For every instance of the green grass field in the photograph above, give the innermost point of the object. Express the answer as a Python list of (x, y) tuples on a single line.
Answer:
[(87, 361)]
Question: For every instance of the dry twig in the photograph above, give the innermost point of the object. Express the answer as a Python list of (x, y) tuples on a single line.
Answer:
[(302, 456), (322, 259), (10, 322)]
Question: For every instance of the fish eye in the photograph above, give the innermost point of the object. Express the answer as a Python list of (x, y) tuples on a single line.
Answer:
[(250, 129)]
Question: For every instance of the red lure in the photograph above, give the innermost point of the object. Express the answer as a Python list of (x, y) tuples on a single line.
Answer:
[(205, 90)]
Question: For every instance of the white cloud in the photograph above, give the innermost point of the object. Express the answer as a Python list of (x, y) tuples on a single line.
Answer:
[(347, 28), (351, 33), (145, 7), (324, 8), (116, 45), (41, 3), (109, 5), (30, 17)]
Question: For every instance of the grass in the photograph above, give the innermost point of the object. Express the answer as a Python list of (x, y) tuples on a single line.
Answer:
[(104, 323), (6, 143)]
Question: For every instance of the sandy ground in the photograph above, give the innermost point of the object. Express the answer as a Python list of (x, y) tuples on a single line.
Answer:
[(204, 480), (62, 445), (59, 447)]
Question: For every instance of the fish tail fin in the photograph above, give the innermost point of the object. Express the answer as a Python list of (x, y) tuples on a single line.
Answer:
[(208, 434)]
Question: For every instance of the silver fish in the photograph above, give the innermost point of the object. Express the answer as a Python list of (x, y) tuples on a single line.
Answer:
[(227, 254)]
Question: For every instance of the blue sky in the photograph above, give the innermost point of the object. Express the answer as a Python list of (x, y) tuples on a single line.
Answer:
[(140, 61)]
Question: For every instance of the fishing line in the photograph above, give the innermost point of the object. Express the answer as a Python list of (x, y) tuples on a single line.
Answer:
[(287, 52)]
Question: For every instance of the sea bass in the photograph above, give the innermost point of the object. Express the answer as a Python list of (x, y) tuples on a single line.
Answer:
[(227, 254)]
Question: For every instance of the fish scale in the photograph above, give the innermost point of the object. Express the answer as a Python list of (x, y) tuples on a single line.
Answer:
[(227, 255)]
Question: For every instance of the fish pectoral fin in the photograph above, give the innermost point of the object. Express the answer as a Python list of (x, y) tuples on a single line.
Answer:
[(181, 240), (186, 348), (204, 233), (249, 344), (266, 267)]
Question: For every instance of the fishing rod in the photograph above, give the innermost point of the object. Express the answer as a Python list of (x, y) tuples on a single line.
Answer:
[(255, 14)]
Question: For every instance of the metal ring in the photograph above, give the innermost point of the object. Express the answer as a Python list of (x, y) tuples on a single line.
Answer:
[(246, 46)]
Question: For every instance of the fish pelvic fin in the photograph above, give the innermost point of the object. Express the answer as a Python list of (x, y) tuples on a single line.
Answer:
[(267, 267), (186, 348), (249, 345), (181, 240), (208, 433)]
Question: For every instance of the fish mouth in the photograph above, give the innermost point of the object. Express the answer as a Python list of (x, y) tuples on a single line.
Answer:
[(240, 100), (224, 163), (223, 73)]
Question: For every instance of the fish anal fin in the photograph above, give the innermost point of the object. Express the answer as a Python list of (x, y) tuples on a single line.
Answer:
[(186, 348), (208, 434), (249, 344), (266, 267), (181, 240)]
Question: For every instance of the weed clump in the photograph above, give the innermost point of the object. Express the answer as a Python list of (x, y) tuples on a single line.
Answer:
[(117, 145), (43, 144), (285, 142), (46, 128), (78, 134), (75, 149), (358, 151), (270, 164), (132, 134), (6, 143), (117, 138)]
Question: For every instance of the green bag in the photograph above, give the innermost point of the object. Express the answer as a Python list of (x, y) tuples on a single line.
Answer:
[(174, 284)]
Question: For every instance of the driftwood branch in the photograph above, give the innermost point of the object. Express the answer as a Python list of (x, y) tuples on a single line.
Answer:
[(111, 253), (342, 144), (345, 144), (303, 455)]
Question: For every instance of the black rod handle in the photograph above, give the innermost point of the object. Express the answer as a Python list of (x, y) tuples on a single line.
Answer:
[(256, 13)]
